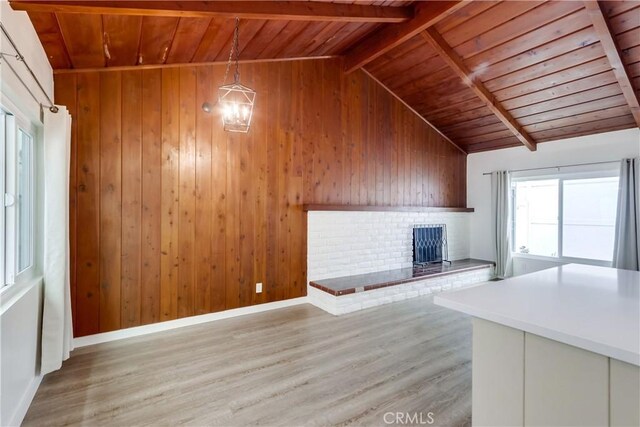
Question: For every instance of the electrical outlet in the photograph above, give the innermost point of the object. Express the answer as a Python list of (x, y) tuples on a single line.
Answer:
[(258, 288)]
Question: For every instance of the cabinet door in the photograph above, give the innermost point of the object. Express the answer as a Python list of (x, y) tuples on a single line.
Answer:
[(564, 385), (625, 394), (498, 366)]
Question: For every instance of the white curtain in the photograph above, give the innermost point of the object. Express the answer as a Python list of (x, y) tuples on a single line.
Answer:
[(626, 248), (57, 329), (501, 221)]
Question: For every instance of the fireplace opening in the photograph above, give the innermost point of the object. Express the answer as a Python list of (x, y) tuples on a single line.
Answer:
[(430, 244)]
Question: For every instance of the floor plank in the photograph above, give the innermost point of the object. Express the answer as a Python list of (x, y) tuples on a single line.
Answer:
[(293, 366)]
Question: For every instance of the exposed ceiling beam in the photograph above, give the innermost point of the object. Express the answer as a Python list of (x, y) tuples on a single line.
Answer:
[(282, 10), (458, 66), (426, 14), (611, 49), (181, 64)]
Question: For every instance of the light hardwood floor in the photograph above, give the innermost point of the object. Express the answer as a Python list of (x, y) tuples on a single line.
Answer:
[(294, 366)]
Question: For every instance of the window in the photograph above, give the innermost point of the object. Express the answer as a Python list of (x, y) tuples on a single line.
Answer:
[(536, 217), (589, 212), (17, 184), (24, 201), (570, 216)]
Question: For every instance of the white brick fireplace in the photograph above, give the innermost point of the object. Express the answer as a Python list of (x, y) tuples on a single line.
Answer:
[(348, 243)]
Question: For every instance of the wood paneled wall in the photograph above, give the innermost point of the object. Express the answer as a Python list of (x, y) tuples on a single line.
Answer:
[(173, 217)]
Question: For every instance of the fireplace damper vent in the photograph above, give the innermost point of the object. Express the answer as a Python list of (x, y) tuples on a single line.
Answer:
[(430, 244)]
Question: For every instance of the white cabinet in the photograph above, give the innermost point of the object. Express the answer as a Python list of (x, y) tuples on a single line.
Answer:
[(624, 394), (498, 381), (564, 385), (522, 379)]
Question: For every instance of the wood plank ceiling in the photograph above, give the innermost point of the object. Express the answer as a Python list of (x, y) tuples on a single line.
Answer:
[(486, 74)]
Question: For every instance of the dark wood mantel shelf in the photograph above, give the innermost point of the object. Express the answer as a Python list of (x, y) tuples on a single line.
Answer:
[(318, 207)]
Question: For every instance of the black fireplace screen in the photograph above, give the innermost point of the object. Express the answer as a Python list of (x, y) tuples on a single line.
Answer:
[(429, 243)]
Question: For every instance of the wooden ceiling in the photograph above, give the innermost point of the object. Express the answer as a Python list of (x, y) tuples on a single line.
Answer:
[(486, 74)]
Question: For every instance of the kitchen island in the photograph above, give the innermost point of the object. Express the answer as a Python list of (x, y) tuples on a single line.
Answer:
[(555, 347)]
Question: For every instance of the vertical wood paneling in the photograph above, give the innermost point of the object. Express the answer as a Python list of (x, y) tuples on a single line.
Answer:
[(350, 121), (333, 136), (393, 157), (432, 171), (232, 223), (131, 197), (246, 213), (416, 184), (151, 190), (283, 177), (260, 162), (406, 125), (186, 199), (169, 194), (371, 153), (462, 184), (297, 220), (322, 143), (308, 123), (270, 111), (88, 199), (188, 217), (110, 200), (362, 85), (219, 167), (204, 205)]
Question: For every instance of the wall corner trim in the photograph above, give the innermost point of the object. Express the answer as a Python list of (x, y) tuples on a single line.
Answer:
[(186, 321)]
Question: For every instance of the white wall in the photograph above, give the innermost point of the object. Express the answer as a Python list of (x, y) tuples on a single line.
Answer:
[(24, 35), (593, 148), (348, 243), (21, 306), (19, 328)]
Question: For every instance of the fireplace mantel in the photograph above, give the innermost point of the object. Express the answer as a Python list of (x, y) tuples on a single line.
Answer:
[(373, 208)]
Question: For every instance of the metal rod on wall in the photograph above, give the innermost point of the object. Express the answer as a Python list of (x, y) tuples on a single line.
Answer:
[(20, 58), (558, 167)]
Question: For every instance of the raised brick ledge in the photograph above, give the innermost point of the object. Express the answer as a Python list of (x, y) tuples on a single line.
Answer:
[(370, 281)]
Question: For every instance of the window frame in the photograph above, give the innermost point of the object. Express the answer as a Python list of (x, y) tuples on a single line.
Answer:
[(601, 171), (32, 201), (3, 126), (14, 123)]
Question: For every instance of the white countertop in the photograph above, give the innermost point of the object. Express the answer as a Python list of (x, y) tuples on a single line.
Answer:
[(593, 308)]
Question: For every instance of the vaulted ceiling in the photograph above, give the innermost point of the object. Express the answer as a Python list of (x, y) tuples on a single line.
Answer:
[(486, 74)]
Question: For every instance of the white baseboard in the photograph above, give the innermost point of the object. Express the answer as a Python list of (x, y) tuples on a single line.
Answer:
[(25, 402), (186, 321)]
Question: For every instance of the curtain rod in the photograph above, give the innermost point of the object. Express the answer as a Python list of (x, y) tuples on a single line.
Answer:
[(20, 58), (558, 167)]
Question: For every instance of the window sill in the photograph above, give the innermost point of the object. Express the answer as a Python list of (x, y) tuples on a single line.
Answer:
[(562, 260), (11, 294)]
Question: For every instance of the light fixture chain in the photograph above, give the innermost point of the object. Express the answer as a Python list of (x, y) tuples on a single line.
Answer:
[(236, 37), (234, 48)]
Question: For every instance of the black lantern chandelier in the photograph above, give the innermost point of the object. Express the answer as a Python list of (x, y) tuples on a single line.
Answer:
[(235, 100)]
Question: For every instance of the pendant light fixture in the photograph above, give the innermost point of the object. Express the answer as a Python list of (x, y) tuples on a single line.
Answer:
[(235, 100)]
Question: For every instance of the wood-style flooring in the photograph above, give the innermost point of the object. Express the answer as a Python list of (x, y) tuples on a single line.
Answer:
[(288, 367)]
